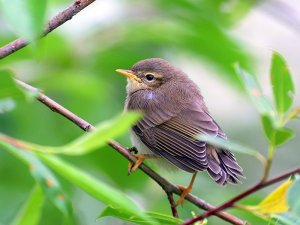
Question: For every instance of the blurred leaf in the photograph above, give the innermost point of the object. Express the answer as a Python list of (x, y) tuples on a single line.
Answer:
[(294, 114), (282, 83), (31, 211), (276, 202), (186, 37), (25, 17), (225, 144), (10, 91), (98, 189), (161, 218), (287, 218), (104, 132), (44, 177), (276, 136), (224, 13), (6, 105), (8, 87), (293, 197), (254, 91)]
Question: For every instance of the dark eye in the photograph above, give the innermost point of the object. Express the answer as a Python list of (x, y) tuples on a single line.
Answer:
[(149, 77)]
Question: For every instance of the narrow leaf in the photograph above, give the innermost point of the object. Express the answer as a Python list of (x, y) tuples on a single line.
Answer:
[(44, 177), (276, 136), (161, 218), (282, 83), (87, 142), (276, 201), (235, 147), (31, 211), (104, 132), (293, 197), (283, 135), (254, 90), (97, 188)]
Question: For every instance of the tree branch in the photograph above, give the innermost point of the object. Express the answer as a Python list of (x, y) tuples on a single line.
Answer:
[(172, 204), (168, 187), (246, 193), (55, 22)]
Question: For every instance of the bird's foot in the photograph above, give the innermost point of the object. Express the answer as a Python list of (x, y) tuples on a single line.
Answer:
[(185, 192), (132, 167)]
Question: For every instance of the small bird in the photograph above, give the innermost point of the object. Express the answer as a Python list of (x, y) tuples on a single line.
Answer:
[(174, 113)]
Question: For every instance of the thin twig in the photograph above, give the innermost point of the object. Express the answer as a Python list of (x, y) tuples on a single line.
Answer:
[(172, 204), (55, 22), (162, 182), (246, 193)]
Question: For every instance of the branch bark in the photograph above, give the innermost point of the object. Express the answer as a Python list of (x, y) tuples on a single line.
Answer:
[(167, 186), (246, 193), (55, 22)]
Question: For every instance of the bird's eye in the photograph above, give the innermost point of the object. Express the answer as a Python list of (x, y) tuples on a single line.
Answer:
[(149, 77)]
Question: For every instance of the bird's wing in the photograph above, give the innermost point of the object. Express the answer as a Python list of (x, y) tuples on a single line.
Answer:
[(169, 129), (174, 138)]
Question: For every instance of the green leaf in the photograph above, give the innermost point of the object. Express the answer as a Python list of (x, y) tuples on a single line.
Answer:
[(282, 83), (104, 132), (44, 177), (9, 88), (254, 90), (161, 218), (276, 136), (97, 188), (268, 127), (25, 17), (10, 91), (293, 197), (283, 135), (235, 147), (90, 141), (31, 211)]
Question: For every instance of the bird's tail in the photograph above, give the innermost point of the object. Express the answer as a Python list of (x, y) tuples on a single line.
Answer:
[(223, 167)]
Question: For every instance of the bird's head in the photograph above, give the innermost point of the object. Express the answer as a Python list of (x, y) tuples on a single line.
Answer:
[(149, 74)]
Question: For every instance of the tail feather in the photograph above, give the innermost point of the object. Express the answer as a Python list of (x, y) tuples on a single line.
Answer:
[(223, 167)]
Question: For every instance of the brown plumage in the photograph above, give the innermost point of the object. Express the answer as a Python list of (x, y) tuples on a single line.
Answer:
[(174, 112)]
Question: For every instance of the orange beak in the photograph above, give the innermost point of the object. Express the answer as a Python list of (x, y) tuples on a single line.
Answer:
[(129, 74)]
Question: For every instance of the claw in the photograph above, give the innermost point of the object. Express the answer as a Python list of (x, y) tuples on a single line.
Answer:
[(132, 167), (185, 190)]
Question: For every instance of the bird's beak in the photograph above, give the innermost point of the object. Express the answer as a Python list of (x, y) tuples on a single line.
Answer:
[(129, 74)]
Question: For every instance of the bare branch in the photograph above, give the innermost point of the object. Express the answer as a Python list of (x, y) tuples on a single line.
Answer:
[(172, 204), (55, 22), (168, 187), (246, 193)]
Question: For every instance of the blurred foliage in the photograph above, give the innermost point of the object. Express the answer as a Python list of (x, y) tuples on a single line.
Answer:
[(79, 74)]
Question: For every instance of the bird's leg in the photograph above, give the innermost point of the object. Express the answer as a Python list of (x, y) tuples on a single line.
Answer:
[(132, 167), (185, 190)]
